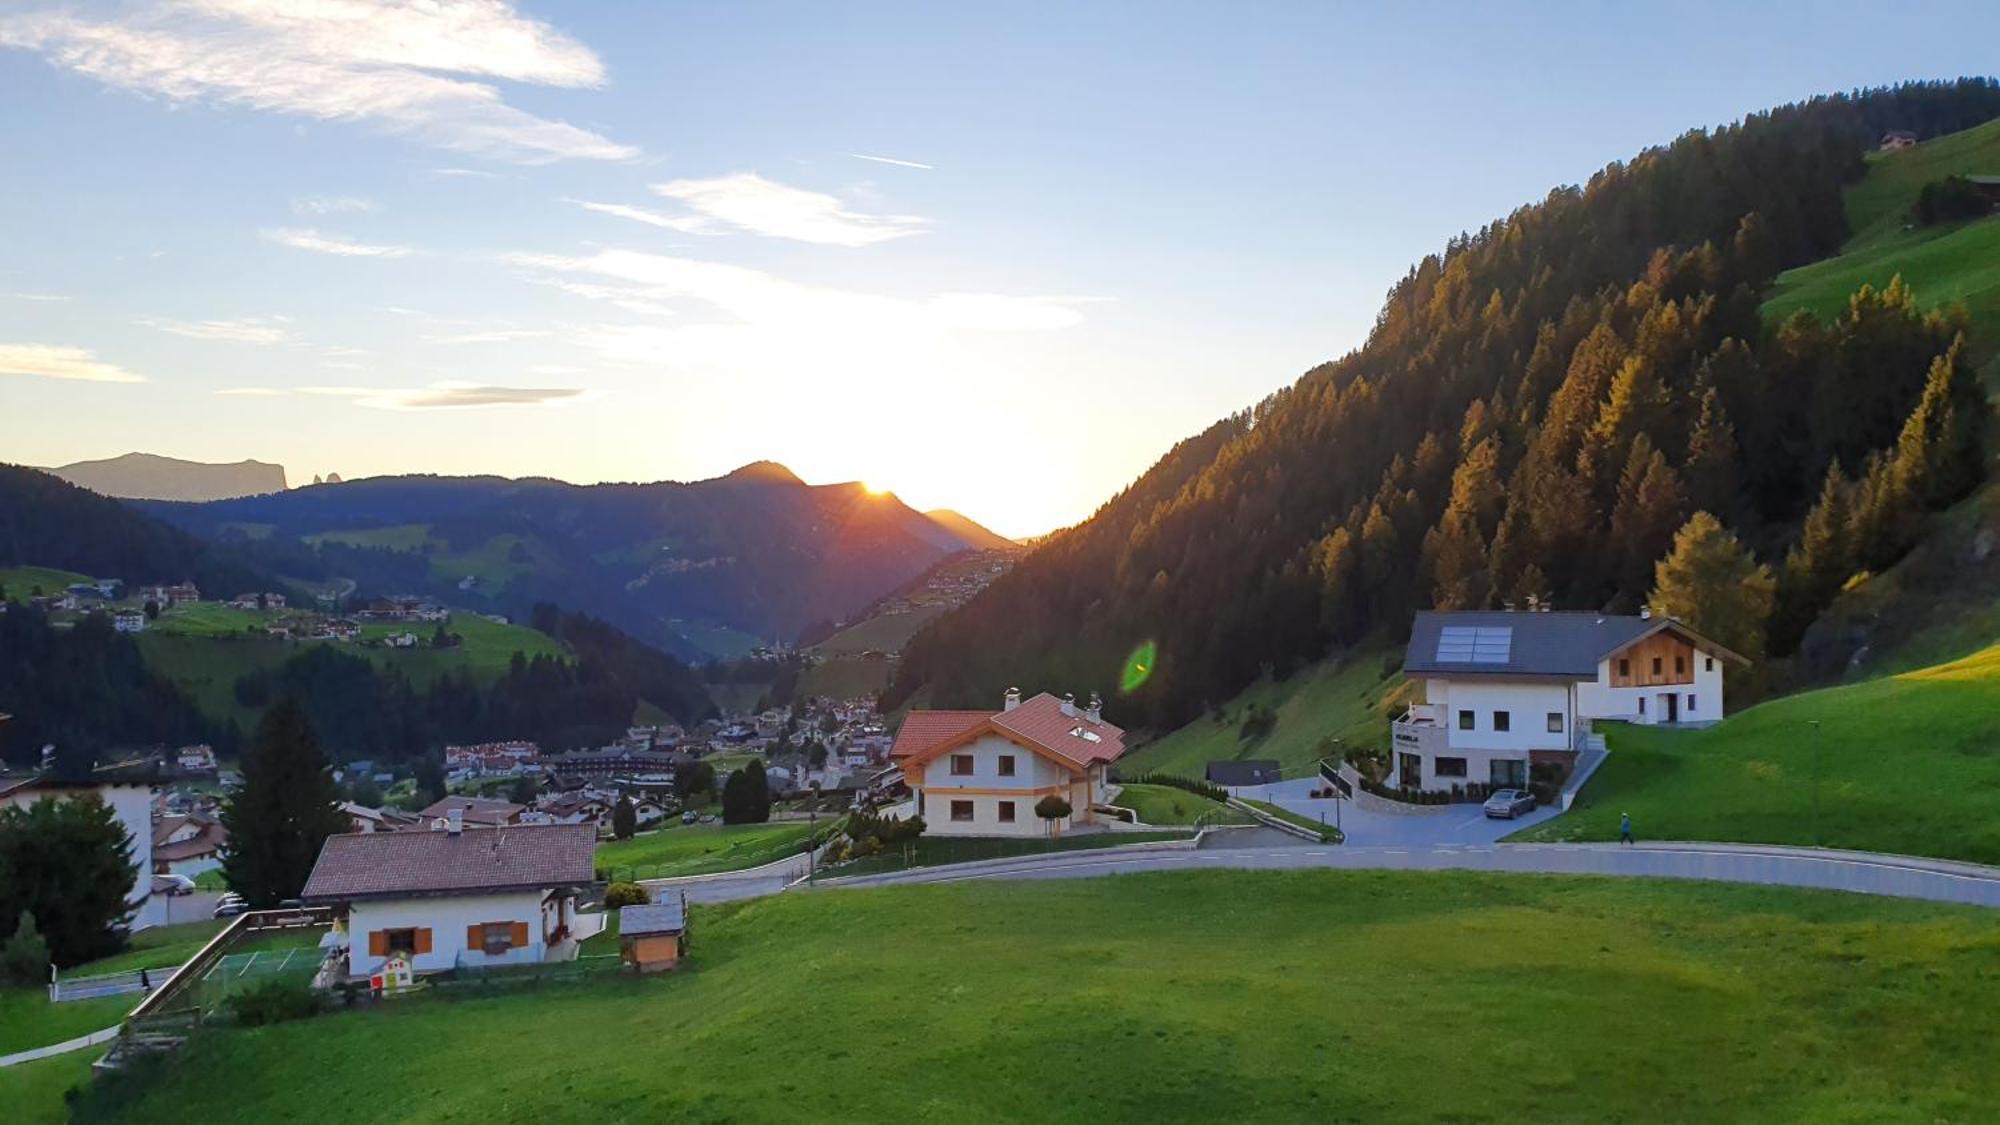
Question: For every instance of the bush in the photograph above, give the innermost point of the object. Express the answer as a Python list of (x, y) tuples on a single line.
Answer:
[(275, 1000), (1949, 200), (25, 958), (1198, 788), (626, 894)]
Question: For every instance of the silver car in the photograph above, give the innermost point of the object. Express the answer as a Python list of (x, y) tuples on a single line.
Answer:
[(1509, 803)]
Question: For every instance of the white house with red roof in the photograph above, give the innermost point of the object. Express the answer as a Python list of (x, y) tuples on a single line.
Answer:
[(980, 773)]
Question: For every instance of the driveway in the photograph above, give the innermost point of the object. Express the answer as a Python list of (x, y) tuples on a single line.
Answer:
[(1449, 825)]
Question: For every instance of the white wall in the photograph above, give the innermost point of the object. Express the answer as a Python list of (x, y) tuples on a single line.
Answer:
[(1527, 702), (446, 917), (1599, 700), (1031, 772)]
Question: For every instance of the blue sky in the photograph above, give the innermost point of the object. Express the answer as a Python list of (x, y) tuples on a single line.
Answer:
[(637, 241)]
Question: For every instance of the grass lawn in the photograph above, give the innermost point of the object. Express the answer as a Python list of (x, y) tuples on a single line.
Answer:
[(1293, 996), (28, 1020), (845, 677), (1910, 763), (934, 851), (33, 1092), (21, 581), (1164, 804), (1326, 830), (209, 619), (1349, 699), (697, 849), (887, 632)]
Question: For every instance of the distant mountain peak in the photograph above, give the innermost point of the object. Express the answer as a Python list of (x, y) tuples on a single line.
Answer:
[(149, 476), (769, 472)]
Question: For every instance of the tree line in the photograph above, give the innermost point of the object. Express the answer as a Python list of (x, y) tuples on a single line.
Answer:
[(1540, 411)]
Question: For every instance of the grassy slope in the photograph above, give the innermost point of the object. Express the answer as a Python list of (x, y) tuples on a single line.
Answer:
[(846, 679), (28, 1020), (1228, 996), (701, 848), (1348, 699), (20, 581), (33, 1092), (1906, 764), (1164, 804), (1941, 264), (887, 632)]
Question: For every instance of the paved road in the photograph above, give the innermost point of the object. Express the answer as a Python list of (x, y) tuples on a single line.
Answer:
[(1861, 872), (1451, 824)]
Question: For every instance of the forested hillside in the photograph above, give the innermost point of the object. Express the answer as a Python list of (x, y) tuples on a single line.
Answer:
[(1538, 411)]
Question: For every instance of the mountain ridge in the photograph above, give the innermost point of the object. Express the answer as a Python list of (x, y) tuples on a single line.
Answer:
[(152, 476)]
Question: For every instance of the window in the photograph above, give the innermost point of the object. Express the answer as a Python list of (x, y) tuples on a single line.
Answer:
[(1690, 703), (1708, 663), (400, 941), (1006, 812), (1450, 767), (1624, 666), (1642, 705), (1555, 722), (1656, 666), (1006, 765), (1503, 720), (961, 810), (1680, 665), (961, 765), (496, 937), (1465, 720)]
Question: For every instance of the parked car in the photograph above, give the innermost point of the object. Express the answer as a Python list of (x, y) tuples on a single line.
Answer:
[(690, 816), (172, 885), (1509, 803), (229, 907)]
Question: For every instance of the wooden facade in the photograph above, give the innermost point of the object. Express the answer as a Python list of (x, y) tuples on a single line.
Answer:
[(653, 953), (1658, 660)]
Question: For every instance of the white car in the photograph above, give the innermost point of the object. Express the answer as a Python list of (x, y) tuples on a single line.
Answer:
[(172, 885), (1509, 803)]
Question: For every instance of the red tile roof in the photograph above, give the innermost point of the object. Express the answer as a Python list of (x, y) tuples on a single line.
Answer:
[(1037, 723), (365, 865)]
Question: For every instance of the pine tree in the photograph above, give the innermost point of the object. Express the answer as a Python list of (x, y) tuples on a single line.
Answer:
[(1817, 566), (1711, 582), (1651, 507), (68, 862), (624, 818), (1940, 454), (1457, 563), (283, 812), (1337, 562), (1711, 466), (1637, 405)]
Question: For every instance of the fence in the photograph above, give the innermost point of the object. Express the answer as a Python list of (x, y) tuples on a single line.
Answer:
[(108, 984)]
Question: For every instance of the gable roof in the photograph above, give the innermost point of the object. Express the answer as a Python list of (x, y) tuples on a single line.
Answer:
[(1039, 724), (485, 810), (656, 918), (374, 865), (1566, 645)]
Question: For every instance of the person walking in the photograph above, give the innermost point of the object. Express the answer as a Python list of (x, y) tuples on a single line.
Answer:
[(1624, 828)]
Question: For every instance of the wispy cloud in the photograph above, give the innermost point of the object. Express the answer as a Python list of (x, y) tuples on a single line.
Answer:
[(893, 160), (690, 224), (411, 69), (474, 173), (36, 296), (748, 201), (309, 239), (251, 392), (449, 395), (251, 330), (54, 361), (492, 336), (332, 205)]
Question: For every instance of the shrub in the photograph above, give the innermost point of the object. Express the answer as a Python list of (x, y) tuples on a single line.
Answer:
[(275, 1000), (1198, 788), (25, 958), (1949, 200), (626, 894)]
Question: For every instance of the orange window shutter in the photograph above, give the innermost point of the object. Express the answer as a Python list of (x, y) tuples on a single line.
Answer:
[(423, 941), (474, 937), (520, 933), (378, 943)]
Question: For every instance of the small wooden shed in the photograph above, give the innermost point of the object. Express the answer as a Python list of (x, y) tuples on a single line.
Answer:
[(653, 938)]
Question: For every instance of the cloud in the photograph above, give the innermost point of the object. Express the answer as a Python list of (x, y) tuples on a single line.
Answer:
[(690, 224), (893, 160), (53, 361), (36, 296), (332, 205), (449, 395), (251, 392), (492, 336), (409, 69), (747, 201), (252, 330), (309, 239)]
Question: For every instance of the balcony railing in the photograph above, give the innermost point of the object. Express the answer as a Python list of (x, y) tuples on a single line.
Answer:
[(1423, 714)]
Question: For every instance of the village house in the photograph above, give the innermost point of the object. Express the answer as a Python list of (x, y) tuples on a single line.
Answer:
[(1896, 140), (364, 819), (475, 812), (196, 759), (164, 596), (980, 773), (187, 844), (128, 789), (129, 621), (1504, 691), (448, 899)]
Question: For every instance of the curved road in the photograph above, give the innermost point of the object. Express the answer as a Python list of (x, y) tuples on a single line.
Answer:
[(1768, 865)]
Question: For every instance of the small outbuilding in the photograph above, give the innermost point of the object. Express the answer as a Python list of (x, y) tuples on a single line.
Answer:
[(653, 938), (1244, 772)]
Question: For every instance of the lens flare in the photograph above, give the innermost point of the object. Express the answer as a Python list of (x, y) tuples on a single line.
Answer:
[(1138, 668)]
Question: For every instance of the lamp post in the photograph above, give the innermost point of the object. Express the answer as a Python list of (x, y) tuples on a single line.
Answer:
[(1817, 842)]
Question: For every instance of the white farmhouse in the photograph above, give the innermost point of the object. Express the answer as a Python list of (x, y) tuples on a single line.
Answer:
[(980, 773), (454, 898), (1503, 690)]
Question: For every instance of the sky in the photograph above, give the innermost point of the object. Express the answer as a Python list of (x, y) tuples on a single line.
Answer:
[(993, 257)]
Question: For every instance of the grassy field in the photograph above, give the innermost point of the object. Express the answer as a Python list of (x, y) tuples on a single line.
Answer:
[(1348, 699), (1941, 264), (698, 849), (1165, 804), (883, 632), (935, 851), (209, 619), (1325, 828), (28, 1020), (1294, 996), (33, 1092), (21, 581), (1910, 763), (400, 537), (846, 678)]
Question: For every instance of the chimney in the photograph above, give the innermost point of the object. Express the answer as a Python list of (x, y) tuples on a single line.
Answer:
[(1096, 711), (1069, 704), (1645, 613), (1013, 699), (454, 821)]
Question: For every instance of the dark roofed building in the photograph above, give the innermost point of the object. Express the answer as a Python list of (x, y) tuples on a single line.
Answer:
[(475, 812), (1251, 771)]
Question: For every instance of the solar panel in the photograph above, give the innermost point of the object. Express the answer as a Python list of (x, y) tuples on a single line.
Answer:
[(1474, 644)]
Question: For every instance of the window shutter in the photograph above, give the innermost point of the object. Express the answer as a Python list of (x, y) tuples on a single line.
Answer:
[(423, 941), (520, 934), (474, 937), (378, 943)]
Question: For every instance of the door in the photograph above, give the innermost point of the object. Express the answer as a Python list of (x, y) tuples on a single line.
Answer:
[(1504, 773), (1410, 771), (1673, 702)]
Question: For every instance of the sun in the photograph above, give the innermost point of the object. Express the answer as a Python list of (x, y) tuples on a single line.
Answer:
[(875, 489)]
